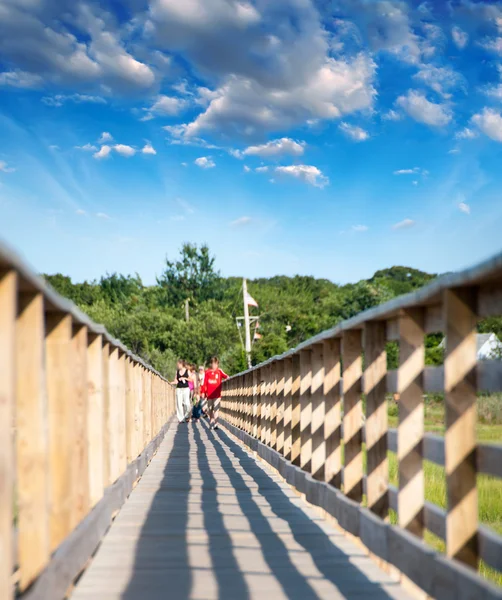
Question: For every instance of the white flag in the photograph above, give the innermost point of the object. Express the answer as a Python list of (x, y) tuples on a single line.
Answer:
[(250, 301)]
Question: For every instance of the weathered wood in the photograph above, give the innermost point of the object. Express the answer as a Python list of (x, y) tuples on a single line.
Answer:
[(8, 309), (121, 399), (273, 405), (295, 410), (95, 414), (288, 384), (333, 407), (460, 418), (376, 418), (130, 425), (113, 424), (80, 467), (105, 355), (259, 403), (411, 421), (61, 391), (147, 407), (353, 415), (32, 456), (306, 410), (279, 394), (318, 413), (256, 403)]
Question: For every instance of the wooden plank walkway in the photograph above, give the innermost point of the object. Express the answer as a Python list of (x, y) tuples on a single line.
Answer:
[(207, 520)]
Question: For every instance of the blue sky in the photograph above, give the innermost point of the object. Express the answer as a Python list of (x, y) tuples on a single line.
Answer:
[(325, 138)]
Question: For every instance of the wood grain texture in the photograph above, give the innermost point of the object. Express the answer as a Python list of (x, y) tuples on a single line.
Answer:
[(333, 420), (295, 410), (306, 410), (95, 423), (318, 413), (288, 384)]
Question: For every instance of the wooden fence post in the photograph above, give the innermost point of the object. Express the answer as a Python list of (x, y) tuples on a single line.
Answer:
[(95, 413), (61, 392), (264, 402), (460, 308), (410, 431), (333, 420), (353, 414), (295, 410), (306, 410), (130, 429), (273, 405), (80, 468), (113, 424), (318, 413), (106, 413), (257, 403), (279, 394), (121, 403), (288, 384), (8, 309), (377, 468)]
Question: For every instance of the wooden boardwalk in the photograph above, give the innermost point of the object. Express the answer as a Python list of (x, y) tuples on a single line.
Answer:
[(207, 520)]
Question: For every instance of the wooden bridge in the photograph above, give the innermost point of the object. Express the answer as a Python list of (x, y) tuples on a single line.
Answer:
[(104, 496)]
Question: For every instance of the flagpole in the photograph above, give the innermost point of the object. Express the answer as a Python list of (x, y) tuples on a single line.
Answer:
[(246, 322)]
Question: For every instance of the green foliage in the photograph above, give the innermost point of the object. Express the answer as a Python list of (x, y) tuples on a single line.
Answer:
[(151, 319)]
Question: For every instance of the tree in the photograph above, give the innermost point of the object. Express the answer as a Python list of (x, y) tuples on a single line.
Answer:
[(192, 276)]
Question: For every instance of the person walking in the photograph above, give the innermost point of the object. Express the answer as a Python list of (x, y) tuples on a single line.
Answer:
[(183, 403), (212, 389)]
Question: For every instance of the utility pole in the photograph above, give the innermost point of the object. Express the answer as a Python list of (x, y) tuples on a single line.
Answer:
[(187, 310), (247, 328)]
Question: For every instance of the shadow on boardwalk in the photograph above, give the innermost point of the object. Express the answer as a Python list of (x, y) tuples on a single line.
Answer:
[(221, 527)]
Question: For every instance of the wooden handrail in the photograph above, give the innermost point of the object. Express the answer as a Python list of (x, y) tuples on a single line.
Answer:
[(80, 415), (314, 391)]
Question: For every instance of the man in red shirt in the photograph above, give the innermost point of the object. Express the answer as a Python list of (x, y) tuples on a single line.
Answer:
[(211, 389)]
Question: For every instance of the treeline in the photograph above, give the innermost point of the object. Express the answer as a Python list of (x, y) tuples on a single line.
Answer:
[(151, 319)]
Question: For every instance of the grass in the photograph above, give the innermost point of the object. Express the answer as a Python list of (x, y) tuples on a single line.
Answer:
[(489, 430)]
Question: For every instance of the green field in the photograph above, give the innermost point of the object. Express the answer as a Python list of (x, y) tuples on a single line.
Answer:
[(489, 430)]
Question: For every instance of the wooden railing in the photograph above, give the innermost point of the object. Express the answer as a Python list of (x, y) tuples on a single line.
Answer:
[(80, 416), (308, 422)]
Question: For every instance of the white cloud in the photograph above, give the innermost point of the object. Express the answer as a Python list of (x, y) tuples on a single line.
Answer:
[(392, 115), (307, 173), (20, 79), (103, 216), (494, 91), (466, 134), (87, 147), (460, 37), (241, 221), (148, 149), (59, 99), (261, 169), (413, 171), (360, 228), (205, 162), (454, 151), (124, 150), (440, 79), (103, 152), (358, 134), (4, 167), (464, 207), (422, 110), (246, 169), (105, 137), (165, 106), (276, 148), (405, 224), (489, 121)]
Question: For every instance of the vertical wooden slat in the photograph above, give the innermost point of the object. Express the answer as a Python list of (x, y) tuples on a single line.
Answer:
[(121, 403), (333, 420), (273, 405), (80, 468), (31, 438), (306, 410), (279, 395), (113, 413), (318, 413), (288, 384), (460, 308), (147, 404), (264, 407), (377, 486), (130, 429), (106, 414), (295, 410), (61, 392), (257, 402), (8, 302), (410, 431), (95, 416), (139, 408), (353, 415)]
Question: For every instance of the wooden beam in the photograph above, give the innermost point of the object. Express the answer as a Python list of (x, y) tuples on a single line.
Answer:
[(256, 402), (318, 413), (377, 488), (288, 384), (306, 410), (273, 405), (353, 414), (106, 413), (61, 392), (121, 402), (460, 306), (410, 431), (95, 417), (333, 407), (8, 309), (295, 410)]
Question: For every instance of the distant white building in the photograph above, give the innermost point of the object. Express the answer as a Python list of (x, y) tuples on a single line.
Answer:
[(488, 346)]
